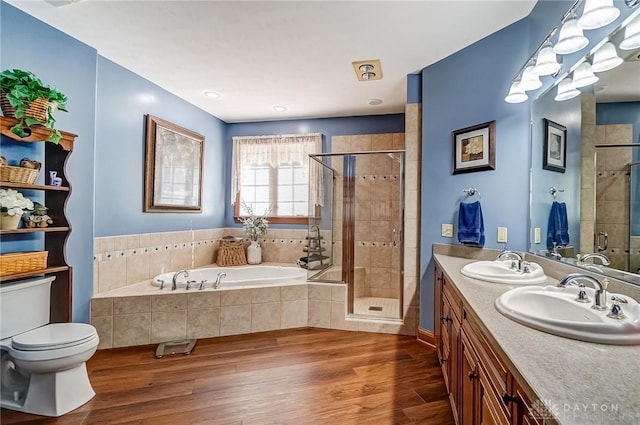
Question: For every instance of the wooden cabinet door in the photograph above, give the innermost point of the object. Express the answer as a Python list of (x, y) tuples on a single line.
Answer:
[(523, 412), (490, 403), (468, 383)]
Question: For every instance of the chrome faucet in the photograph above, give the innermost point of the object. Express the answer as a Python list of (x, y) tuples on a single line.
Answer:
[(603, 258), (218, 279), (600, 297), (174, 280), (516, 261)]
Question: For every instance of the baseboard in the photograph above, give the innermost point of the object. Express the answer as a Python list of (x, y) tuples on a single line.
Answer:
[(426, 337)]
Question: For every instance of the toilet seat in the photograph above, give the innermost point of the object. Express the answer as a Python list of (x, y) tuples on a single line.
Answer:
[(54, 336)]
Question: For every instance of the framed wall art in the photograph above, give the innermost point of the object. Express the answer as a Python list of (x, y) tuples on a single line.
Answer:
[(554, 155), (173, 168), (474, 148)]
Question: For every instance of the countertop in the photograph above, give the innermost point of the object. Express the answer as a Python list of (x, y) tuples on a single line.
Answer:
[(582, 383)]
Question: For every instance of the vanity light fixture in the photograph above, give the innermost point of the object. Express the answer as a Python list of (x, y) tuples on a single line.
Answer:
[(597, 14), (279, 108), (583, 75), (566, 90), (631, 38), (516, 94), (606, 58), (571, 38), (547, 61), (530, 79)]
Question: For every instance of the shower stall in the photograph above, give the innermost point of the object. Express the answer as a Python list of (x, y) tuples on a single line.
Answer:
[(356, 232)]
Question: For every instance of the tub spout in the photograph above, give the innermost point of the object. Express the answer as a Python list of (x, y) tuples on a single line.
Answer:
[(218, 279), (174, 280)]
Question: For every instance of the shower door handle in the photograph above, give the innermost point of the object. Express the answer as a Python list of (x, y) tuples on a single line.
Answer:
[(602, 241), (396, 237)]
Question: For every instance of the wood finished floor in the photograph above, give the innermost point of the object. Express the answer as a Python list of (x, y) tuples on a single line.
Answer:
[(293, 377)]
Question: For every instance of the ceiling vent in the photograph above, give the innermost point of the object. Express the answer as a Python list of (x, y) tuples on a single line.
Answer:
[(368, 70)]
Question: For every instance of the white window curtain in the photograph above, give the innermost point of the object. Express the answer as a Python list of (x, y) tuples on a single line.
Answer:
[(275, 150)]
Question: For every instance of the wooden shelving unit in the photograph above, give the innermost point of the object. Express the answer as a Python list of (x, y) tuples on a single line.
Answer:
[(55, 198)]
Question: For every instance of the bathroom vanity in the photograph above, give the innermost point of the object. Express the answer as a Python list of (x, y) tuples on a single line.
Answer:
[(500, 372)]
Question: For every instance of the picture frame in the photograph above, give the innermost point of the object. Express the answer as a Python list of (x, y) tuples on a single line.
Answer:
[(554, 154), (173, 167), (474, 148)]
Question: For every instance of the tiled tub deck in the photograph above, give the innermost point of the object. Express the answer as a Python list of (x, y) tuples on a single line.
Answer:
[(141, 314)]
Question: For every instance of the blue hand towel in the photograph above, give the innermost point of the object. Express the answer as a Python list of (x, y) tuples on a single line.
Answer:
[(471, 224), (558, 228)]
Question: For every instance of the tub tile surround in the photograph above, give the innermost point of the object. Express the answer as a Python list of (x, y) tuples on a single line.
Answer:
[(123, 319)]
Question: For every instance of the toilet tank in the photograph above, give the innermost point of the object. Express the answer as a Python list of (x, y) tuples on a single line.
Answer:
[(24, 305)]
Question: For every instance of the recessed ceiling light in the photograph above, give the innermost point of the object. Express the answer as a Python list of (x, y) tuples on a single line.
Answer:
[(374, 102), (213, 94), (279, 108)]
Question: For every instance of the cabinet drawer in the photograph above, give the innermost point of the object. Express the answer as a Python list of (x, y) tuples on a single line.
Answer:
[(497, 373)]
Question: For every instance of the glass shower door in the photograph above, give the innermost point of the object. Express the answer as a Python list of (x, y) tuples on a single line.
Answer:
[(374, 195)]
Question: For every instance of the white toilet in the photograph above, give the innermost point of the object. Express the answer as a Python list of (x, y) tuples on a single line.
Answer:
[(43, 365)]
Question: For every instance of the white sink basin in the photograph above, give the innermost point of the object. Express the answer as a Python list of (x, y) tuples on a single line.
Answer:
[(554, 310), (500, 271)]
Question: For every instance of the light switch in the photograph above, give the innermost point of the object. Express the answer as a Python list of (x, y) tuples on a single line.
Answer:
[(536, 235), (447, 230), (502, 235)]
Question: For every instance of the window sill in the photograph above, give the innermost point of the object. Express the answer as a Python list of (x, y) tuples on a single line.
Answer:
[(281, 220)]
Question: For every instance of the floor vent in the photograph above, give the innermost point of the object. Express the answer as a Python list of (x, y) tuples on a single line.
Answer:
[(175, 347), (374, 308)]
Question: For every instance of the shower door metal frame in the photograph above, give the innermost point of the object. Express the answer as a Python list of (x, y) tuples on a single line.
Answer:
[(348, 220)]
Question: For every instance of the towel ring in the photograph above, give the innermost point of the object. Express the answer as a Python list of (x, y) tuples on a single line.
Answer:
[(554, 191), (472, 191)]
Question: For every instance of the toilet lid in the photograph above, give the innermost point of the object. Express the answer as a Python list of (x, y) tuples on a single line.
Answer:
[(53, 336)]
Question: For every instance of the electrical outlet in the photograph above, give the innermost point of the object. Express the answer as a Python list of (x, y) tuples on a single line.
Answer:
[(502, 235), (447, 230), (536, 235)]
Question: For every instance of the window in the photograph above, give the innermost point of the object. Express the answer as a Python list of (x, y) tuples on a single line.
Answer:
[(271, 174)]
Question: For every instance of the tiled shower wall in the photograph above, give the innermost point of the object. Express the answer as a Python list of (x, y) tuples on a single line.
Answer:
[(377, 211), (612, 191)]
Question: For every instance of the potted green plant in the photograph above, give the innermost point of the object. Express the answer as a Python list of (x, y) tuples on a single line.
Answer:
[(25, 97)]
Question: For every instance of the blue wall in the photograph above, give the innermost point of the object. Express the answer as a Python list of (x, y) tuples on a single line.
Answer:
[(123, 100), (70, 66), (465, 89), (468, 88), (372, 124)]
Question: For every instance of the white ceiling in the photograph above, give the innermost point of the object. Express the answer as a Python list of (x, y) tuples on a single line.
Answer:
[(259, 54)]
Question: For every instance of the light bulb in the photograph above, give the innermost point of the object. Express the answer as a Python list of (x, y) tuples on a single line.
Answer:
[(516, 94), (583, 76), (597, 14), (547, 62), (631, 35), (530, 80), (606, 58), (571, 38), (566, 90)]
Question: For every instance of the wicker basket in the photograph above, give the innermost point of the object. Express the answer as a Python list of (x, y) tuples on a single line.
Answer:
[(37, 109), (18, 174), (22, 262), (231, 253)]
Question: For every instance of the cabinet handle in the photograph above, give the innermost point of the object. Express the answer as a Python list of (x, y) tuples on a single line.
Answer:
[(472, 375), (442, 360), (445, 319), (508, 398)]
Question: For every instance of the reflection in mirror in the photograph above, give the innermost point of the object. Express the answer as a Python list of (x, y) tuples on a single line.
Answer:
[(601, 181)]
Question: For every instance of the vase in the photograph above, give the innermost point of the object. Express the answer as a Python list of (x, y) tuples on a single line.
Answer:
[(254, 253), (9, 222)]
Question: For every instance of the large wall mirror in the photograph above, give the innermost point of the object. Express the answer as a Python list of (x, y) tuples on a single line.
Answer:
[(599, 187)]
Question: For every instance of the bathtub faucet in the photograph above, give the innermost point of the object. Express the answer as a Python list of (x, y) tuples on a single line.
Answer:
[(174, 280), (218, 279)]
